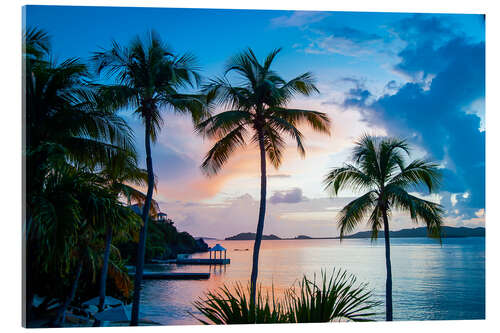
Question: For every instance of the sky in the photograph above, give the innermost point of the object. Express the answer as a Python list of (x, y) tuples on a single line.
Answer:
[(416, 76)]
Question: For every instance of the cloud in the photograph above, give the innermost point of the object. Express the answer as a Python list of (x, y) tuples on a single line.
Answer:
[(424, 35), (327, 37), (298, 19), (314, 217), (289, 196), (280, 175), (332, 44), (355, 35), (357, 96), (432, 111)]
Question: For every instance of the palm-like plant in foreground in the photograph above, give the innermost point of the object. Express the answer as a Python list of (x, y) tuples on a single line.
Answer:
[(336, 297), (380, 169), (256, 112), (148, 78)]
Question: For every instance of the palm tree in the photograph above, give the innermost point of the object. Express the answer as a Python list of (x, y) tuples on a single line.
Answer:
[(379, 168), (66, 126), (148, 77), (257, 107), (71, 213), (119, 174)]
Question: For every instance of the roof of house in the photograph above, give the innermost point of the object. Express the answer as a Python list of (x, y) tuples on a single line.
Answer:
[(217, 247)]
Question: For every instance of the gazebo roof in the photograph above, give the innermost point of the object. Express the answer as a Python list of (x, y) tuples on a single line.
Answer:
[(217, 247)]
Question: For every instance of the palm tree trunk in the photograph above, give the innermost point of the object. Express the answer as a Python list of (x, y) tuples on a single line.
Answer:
[(28, 293), (141, 250), (104, 270), (260, 224), (61, 317), (388, 282)]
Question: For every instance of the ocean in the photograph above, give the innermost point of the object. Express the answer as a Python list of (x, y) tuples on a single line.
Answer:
[(430, 281)]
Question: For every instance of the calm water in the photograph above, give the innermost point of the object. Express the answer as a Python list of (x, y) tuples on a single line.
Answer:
[(430, 282)]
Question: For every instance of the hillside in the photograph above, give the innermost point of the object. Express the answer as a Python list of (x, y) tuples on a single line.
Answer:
[(446, 232), (250, 236), (164, 241)]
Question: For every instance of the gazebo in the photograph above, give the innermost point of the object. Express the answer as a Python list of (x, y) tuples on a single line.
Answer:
[(162, 217), (217, 248)]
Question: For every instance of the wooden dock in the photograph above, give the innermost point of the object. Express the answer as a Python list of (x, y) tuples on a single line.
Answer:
[(200, 261), (174, 276)]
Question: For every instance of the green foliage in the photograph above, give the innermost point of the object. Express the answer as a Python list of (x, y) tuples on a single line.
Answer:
[(80, 164), (148, 76), (163, 242), (380, 169), (232, 306), (335, 298), (256, 111)]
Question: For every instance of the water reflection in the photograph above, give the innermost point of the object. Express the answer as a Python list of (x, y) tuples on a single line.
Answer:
[(430, 281)]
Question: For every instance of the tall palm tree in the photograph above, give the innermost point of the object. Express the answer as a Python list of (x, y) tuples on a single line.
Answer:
[(65, 126), (380, 169), (148, 77), (256, 111), (120, 174)]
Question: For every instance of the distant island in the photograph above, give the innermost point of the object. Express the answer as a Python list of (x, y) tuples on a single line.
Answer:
[(446, 232), (303, 237), (250, 236)]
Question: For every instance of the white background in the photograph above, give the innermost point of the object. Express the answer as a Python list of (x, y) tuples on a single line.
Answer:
[(10, 160)]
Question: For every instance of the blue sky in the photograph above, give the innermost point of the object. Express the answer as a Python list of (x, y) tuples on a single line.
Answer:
[(418, 76)]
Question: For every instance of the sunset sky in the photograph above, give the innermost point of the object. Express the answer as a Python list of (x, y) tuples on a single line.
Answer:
[(415, 76)]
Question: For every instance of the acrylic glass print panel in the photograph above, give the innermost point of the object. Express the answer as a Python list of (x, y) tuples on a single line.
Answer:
[(196, 166)]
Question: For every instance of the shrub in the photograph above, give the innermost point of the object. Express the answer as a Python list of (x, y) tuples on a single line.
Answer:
[(336, 298)]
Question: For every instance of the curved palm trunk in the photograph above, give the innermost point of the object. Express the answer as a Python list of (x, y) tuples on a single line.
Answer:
[(141, 250), (104, 270), (388, 282), (61, 316), (260, 224)]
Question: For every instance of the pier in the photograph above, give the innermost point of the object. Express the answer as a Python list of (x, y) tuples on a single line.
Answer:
[(200, 261), (174, 276)]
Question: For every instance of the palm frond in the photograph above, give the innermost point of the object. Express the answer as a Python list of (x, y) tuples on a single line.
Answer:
[(36, 42), (354, 212), (347, 177), (420, 210), (417, 173), (223, 123), (280, 125), (318, 121), (303, 84), (273, 145), (218, 155), (334, 298)]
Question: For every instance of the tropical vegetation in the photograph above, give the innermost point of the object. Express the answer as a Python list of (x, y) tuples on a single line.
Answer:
[(82, 176), (87, 218), (148, 76), (70, 136), (382, 170), (336, 297), (256, 112)]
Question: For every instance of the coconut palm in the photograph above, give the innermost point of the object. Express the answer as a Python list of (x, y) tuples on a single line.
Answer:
[(381, 170), (67, 126), (72, 212), (148, 76), (66, 120), (120, 174), (256, 112)]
